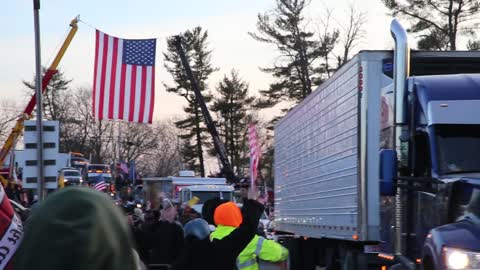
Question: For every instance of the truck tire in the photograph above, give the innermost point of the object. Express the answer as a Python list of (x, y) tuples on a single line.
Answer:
[(292, 244), (352, 258), (332, 258), (303, 253), (427, 263)]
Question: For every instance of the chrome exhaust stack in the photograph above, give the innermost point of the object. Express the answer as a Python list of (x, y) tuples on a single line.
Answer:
[(401, 71)]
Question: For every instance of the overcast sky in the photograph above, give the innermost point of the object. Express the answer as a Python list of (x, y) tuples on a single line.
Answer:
[(227, 21)]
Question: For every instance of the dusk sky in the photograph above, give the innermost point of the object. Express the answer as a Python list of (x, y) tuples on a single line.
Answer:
[(227, 22)]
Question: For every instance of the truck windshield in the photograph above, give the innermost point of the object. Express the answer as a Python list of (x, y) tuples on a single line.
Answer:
[(466, 200), (98, 168), (207, 195), (458, 148), (71, 173)]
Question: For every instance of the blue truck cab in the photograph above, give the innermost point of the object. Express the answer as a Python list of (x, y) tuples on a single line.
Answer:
[(430, 164), (445, 115)]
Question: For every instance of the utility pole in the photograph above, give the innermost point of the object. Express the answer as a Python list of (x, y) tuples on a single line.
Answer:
[(38, 91)]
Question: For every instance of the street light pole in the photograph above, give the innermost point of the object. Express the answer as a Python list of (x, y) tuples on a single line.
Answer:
[(38, 92)]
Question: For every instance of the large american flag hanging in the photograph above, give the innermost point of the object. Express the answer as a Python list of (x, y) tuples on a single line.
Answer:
[(124, 78), (254, 153)]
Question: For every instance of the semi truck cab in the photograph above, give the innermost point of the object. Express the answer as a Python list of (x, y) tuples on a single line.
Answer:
[(95, 170), (445, 148), (437, 167)]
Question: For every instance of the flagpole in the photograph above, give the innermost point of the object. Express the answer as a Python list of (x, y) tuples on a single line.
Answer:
[(116, 154), (38, 92), (119, 143), (252, 176)]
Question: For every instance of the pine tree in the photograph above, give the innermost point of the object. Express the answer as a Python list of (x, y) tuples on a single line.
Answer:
[(55, 99), (232, 104), (194, 42), (438, 23), (296, 71)]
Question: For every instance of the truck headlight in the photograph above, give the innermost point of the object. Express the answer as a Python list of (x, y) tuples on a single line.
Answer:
[(461, 259)]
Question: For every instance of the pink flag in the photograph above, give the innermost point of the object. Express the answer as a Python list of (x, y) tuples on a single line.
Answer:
[(254, 153), (124, 78), (124, 167)]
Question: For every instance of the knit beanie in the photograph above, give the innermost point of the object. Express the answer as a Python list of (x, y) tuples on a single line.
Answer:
[(228, 214)]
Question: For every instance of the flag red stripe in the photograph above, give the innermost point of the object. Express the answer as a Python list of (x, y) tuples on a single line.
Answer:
[(112, 78), (122, 91), (103, 78), (152, 96), (141, 117), (100, 186), (97, 34), (6, 215), (133, 83)]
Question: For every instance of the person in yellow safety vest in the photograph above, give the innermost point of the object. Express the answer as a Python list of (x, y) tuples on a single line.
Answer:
[(227, 217)]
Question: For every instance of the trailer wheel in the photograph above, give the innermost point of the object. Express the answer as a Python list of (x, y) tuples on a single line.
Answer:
[(332, 258), (352, 258), (293, 246)]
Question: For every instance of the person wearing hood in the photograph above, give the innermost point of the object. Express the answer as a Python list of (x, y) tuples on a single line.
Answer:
[(77, 229), (202, 252)]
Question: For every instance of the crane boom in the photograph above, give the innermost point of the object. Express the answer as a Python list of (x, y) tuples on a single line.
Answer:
[(217, 142), (27, 113)]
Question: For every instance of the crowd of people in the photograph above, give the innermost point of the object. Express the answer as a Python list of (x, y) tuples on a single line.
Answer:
[(79, 228)]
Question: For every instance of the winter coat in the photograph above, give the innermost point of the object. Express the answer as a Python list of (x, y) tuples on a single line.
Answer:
[(221, 254), (258, 248), (161, 242)]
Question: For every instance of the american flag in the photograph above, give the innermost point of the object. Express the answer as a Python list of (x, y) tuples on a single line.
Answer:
[(254, 153), (100, 185), (124, 78)]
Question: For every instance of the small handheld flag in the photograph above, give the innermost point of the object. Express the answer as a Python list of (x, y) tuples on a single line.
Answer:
[(100, 184)]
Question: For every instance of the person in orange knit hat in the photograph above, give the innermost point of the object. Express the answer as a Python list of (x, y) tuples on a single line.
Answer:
[(201, 252), (228, 217), (228, 214)]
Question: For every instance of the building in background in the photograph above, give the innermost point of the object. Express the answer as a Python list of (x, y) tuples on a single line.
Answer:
[(26, 160)]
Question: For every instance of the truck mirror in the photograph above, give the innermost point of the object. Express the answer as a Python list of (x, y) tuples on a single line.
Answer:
[(388, 170)]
